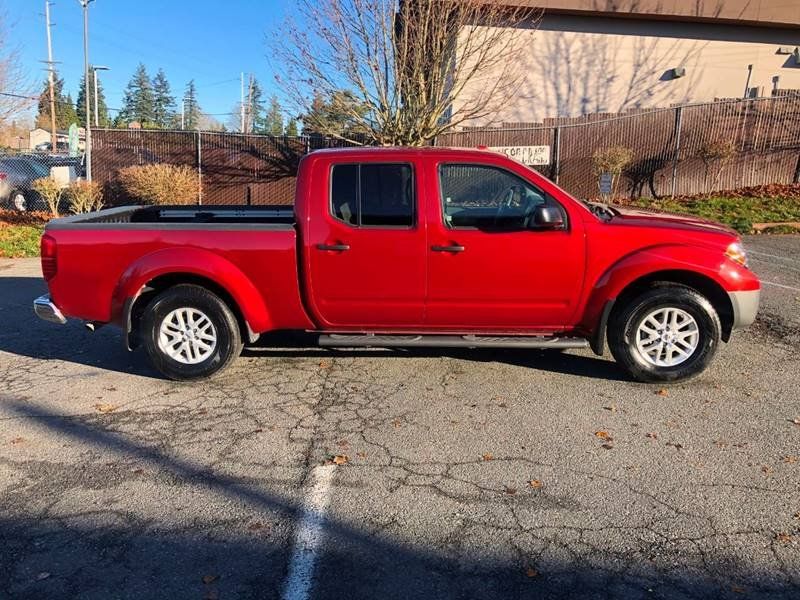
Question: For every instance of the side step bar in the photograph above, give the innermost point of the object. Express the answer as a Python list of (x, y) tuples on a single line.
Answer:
[(450, 341)]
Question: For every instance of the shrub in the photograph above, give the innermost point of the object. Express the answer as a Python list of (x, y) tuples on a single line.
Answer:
[(160, 184), (612, 160), (51, 191), (85, 196), (716, 154)]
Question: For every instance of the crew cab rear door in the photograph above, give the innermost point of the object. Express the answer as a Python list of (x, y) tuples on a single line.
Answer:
[(366, 246), (488, 268)]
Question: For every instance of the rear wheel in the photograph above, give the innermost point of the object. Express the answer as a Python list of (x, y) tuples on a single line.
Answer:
[(190, 333), (668, 333)]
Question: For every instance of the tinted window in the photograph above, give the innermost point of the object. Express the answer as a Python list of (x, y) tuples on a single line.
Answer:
[(373, 194), (486, 197), (344, 193)]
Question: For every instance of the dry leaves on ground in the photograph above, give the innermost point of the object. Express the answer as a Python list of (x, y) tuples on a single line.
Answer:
[(662, 392), (487, 456), (535, 484), (603, 435), (105, 408), (531, 572), (210, 578), (340, 459), (783, 537)]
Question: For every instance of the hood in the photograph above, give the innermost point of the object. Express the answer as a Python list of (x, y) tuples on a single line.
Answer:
[(643, 217)]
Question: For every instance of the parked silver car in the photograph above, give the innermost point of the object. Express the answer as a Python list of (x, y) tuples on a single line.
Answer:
[(17, 174)]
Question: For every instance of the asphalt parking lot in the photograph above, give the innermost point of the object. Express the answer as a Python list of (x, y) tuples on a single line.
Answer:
[(474, 474)]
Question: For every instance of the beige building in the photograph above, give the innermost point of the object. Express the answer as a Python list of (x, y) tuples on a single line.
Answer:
[(590, 56)]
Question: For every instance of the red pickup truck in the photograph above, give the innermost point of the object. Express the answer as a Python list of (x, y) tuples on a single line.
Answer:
[(405, 247)]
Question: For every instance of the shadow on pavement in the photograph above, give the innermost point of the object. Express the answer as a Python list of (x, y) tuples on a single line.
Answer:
[(131, 556), (22, 333)]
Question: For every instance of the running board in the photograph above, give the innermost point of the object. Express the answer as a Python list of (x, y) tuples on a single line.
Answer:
[(450, 341)]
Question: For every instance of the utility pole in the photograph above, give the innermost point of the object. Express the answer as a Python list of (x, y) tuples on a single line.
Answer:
[(85, 5), (50, 78), (241, 104)]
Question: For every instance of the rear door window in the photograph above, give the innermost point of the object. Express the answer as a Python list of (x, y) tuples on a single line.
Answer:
[(373, 194)]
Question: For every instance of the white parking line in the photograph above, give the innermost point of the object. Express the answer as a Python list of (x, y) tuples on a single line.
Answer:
[(309, 534), (780, 285)]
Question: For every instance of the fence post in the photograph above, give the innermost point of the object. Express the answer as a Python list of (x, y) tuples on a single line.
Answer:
[(678, 124), (199, 170), (555, 167), (796, 178)]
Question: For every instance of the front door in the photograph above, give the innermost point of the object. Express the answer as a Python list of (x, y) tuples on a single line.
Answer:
[(488, 268), (367, 253)]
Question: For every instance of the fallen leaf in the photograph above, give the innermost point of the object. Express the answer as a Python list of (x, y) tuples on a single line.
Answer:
[(790, 459), (535, 484), (662, 392), (797, 515), (511, 491), (210, 578), (766, 469), (17, 440), (487, 456), (42, 575), (796, 421), (531, 572), (396, 422), (361, 454), (611, 408), (603, 435), (783, 537), (653, 435), (105, 408), (340, 459), (675, 445), (324, 364), (607, 446), (259, 430)]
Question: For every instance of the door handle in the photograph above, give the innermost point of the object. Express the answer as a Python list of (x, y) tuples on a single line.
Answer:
[(454, 248), (333, 247)]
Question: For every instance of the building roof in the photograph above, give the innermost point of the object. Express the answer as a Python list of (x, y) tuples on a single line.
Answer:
[(766, 13)]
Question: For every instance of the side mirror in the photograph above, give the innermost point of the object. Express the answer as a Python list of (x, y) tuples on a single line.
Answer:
[(547, 217)]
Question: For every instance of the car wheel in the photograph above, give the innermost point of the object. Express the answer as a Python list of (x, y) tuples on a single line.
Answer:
[(668, 333), (18, 201), (190, 333)]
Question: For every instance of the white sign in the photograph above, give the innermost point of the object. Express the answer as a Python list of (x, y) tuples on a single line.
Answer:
[(528, 155)]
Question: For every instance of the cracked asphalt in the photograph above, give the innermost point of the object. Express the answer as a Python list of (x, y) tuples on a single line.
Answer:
[(472, 474)]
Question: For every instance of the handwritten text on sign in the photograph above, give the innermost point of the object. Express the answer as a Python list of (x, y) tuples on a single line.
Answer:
[(529, 155)]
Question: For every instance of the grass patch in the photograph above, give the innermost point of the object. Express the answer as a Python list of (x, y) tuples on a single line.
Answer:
[(19, 241), (737, 212)]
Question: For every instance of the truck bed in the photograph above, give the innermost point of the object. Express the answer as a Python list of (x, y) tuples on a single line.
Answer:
[(178, 217)]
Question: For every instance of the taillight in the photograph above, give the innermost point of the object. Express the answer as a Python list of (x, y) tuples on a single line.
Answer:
[(3, 176), (49, 250)]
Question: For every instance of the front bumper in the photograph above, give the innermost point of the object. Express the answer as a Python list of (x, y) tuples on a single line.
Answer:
[(745, 307), (46, 310)]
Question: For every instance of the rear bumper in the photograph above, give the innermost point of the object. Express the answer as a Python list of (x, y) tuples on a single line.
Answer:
[(47, 311), (745, 307)]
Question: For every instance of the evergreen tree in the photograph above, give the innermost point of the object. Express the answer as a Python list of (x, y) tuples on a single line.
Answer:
[(273, 120), (191, 109), (102, 108), (291, 127), (163, 101), (255, 118), (65, 109), (138, 101)]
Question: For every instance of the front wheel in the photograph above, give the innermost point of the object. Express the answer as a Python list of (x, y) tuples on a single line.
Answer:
[(668, 333), (18, 201), (190, 333)]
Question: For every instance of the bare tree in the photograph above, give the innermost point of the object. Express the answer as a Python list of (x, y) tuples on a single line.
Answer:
[(406, 63), (14, 85)]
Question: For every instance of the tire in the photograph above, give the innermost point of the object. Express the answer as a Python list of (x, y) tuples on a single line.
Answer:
[(199, 314), (687, 316), (18, 201)]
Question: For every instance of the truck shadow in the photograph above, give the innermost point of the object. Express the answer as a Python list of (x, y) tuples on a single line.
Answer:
[(23, 334)]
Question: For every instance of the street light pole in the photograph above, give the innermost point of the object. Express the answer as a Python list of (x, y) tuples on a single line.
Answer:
[(85, 5), (95, 69)]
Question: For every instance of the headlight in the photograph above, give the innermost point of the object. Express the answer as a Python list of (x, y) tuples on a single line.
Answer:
[(736, 253)]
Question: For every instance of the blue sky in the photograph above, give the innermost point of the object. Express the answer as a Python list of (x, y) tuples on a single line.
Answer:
[(210, 41)]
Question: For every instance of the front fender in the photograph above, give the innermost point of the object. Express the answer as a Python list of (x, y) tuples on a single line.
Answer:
[(197, 262), (697, 260)]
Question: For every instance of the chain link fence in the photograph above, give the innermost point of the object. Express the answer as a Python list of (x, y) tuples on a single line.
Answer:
[(684, 150)]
